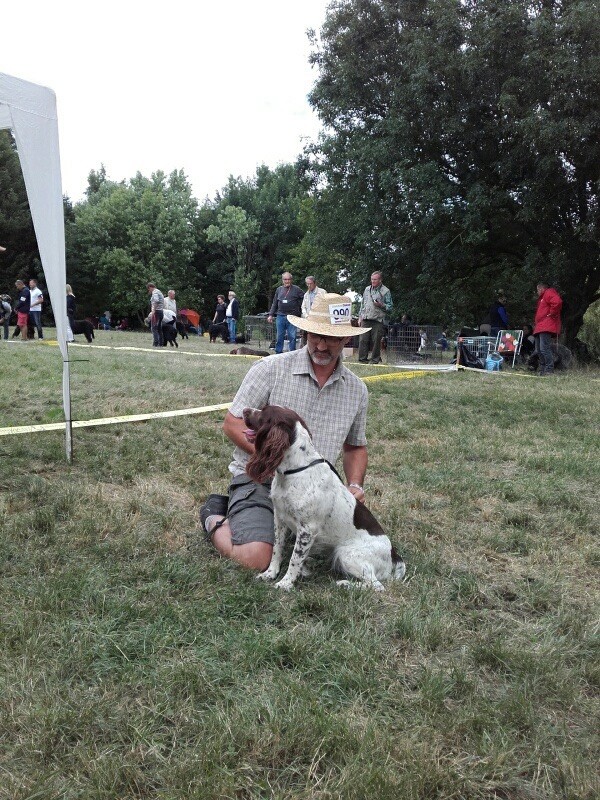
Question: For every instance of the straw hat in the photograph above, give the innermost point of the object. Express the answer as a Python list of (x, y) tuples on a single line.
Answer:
[(330, 315)]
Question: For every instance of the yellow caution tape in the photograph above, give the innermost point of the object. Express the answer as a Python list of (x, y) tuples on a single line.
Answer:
[(88, 423), (397, 376)]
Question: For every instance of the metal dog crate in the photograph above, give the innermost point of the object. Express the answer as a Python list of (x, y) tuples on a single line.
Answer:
[(405, 344), (258, 331), (480, 346)]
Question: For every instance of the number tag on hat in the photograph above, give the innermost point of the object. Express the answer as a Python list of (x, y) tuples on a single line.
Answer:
[(340, 313)]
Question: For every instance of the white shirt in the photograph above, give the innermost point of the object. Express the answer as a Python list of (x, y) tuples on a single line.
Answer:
[(229, 312), (36, 294)]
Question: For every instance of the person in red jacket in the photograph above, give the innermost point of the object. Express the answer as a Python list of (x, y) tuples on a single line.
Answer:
[(546, 325)]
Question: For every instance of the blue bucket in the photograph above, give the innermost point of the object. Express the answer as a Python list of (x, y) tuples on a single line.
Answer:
[(493, 362)]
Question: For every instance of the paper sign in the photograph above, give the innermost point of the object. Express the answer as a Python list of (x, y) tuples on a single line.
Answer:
[(340, 314)]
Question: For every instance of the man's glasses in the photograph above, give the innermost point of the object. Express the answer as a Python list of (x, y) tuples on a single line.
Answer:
[(317, 338)]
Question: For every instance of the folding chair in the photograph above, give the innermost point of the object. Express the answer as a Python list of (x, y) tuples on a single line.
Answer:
[(508, 344)]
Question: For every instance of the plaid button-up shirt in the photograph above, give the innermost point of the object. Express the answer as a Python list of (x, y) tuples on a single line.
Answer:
[(335, 415)]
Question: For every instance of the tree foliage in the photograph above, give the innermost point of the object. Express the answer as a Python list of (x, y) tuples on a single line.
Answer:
[(274, 199), (127, 233), (235, 232), (461, 150), (21, 259)]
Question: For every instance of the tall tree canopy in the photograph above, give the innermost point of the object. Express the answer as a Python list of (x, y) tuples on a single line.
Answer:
[(462, 148), (127, 233), (273, 198)]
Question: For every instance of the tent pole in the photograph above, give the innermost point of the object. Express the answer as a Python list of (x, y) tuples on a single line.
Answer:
[(67, 407)]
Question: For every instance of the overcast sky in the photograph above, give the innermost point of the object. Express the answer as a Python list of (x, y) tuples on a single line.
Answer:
[(213, 88)]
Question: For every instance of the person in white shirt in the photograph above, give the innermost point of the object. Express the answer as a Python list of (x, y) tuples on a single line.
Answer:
[(311, 293), (35, 309), (232, 313), (170, 304)]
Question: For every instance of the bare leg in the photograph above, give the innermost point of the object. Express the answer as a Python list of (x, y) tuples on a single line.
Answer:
[(254, 555)]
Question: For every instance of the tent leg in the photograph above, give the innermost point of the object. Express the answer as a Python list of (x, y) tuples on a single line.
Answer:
[(67, 407)]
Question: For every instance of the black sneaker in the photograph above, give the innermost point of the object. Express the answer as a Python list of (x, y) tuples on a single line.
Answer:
[(215, 504)]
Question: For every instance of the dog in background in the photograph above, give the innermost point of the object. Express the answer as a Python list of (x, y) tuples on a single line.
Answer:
[(310, 500), (85, 327), (218, 329), (248, 351)]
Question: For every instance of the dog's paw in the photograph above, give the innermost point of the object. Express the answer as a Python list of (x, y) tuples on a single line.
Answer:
[(267, 575), (285, 584)]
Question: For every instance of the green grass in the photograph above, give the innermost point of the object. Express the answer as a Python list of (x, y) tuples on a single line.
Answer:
[(135, 663)]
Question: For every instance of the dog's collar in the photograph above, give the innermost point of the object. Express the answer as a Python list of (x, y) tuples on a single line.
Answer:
[(306, 466)]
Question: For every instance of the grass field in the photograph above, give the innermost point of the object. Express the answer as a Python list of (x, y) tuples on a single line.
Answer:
[(135, 663)]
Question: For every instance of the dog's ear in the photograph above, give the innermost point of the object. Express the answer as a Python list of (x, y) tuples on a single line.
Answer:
[(268, 455)]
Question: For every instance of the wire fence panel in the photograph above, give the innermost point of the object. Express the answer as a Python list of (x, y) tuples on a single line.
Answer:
[(257, 329), (410, 344)]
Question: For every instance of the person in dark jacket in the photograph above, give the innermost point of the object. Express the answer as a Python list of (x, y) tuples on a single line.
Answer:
[(546, 325), (22, 308), (497, 315), (232, 314), (288, 300), (218, 326)]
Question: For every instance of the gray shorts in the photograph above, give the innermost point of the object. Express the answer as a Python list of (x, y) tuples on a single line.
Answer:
[(250, 511)]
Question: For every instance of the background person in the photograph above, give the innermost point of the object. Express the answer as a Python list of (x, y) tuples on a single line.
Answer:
[(375, 308), (217, 326), (232, 314), (157, 301), (312, 292), (287, 300), (315, 384), (546, 325), (22, 308), (104, 321), (71, 308), (170, 303), (5, 313), (35, 307), (497, 314)]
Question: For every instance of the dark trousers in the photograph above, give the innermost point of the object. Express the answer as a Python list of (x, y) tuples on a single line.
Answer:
[(371, 341), (157, 333), (543, 347)]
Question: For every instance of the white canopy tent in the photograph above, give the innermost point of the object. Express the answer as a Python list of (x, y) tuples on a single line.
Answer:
[(29, 111)]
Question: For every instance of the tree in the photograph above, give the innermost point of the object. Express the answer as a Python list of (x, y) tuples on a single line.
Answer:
[(127, 233), (235, 233), (274, 199), (461, 150), (21, 259)]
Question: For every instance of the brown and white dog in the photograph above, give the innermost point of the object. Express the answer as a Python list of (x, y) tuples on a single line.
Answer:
[(249, 351), (310, 500)]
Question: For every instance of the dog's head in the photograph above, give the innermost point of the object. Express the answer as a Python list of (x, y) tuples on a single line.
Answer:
[(273, 431)]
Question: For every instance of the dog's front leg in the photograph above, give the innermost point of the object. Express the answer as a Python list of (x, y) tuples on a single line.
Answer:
[(272, 570), (304, 540)]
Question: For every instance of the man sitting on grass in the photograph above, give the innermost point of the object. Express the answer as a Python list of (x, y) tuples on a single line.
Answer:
[(333, 402)]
